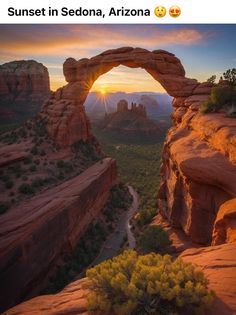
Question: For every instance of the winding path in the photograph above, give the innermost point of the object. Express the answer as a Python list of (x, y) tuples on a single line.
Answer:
[(115, 240)]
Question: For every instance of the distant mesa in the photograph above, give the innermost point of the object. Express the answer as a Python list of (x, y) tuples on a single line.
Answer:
[(133, 121), (22, 83)]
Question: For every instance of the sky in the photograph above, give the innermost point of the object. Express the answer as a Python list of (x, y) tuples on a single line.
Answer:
[(204, 50)]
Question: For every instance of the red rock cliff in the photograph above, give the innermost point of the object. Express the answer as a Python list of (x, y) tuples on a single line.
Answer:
[(24, 81), (198, 167), (34, 234)]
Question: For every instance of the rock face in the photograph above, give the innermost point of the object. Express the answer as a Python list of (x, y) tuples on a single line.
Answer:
[(71, 300), (34, 234), (225, 224), (24, 81), (13, 153), (219, 266), (133, 121), (122, 106), (217, 262), (180, 241), (64, 111), (198, 169)]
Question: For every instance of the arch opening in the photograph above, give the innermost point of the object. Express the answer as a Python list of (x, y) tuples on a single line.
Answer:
[(137, 87), (67, 103)]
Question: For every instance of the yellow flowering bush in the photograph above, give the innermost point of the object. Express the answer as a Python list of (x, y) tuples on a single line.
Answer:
[(147, 284)]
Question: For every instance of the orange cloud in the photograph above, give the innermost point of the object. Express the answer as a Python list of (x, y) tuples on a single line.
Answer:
[(68, 39), (52, 44)]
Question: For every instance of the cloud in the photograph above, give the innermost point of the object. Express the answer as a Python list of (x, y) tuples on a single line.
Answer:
[(86, 39)]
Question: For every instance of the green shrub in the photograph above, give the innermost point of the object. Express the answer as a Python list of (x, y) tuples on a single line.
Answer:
[(61, 176), (38, 182), (32, 168), (60, 163), (146, 215), (28, 160), (230, 76), (79, 258), (154, 239), (65, 165), (34, 150), (221, 97), (26, 189), (150, 284), (4, 206), (9, 184), (42, 153), (5, 178)]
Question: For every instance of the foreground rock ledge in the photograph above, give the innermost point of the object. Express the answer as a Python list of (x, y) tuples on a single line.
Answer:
[(221, 273)]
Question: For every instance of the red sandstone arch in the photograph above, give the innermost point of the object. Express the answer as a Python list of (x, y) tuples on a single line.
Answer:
[(64, 111)]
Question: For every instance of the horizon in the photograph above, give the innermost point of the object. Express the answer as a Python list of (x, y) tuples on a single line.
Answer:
[(197, 46)]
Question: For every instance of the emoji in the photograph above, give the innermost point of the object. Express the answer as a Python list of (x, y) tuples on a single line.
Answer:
[(175, 11), (160, 11)]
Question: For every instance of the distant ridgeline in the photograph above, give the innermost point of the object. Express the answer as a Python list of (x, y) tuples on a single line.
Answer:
[(133, 121)]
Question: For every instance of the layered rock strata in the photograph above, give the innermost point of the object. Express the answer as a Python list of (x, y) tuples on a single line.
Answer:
[(198, 169), (64, 111), (34, 234), (24, 81)]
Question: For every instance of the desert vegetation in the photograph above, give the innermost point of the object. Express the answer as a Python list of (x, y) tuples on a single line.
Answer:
[(42, 165), (147, 284), (222, 97), (138, 162), (154, 239), (90, 243)]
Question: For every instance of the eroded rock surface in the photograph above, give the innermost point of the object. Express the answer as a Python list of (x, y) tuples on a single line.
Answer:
[(67, 121), (198, 170), (219, 266), (70, 301), (34, 234), (217, 262), (24, 80), (225, 224)]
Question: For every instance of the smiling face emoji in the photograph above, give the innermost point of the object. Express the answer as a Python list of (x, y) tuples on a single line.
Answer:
[(175, 11), (160, 11)]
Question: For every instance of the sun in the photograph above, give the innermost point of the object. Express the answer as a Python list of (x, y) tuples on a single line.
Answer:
[(103, 92)]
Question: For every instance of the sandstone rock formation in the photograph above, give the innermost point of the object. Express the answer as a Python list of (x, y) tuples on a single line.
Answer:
[(217, 262), (198, 169), (71, 300), (197, 191), (24, 80), (34, 234), (219, 266), (133, 121), (225, 224), (13, 153), (66, 118)]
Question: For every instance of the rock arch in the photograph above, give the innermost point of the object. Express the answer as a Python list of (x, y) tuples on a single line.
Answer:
[(64, 110)]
